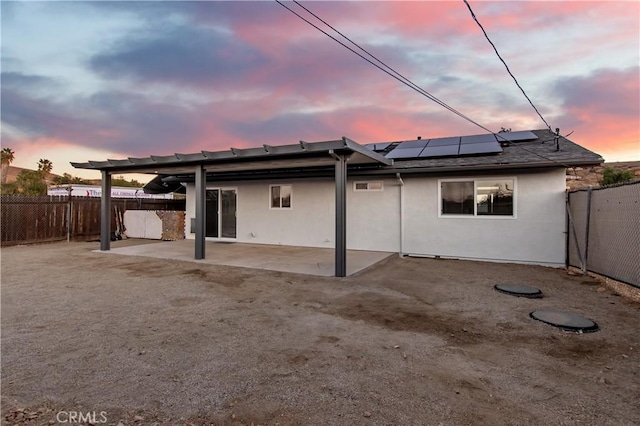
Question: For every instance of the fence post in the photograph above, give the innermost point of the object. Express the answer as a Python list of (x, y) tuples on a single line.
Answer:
[(586, 233), (105, 212), (575, 236), (69, 189)]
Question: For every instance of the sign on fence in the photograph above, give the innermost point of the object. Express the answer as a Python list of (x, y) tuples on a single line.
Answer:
[(96, 191)]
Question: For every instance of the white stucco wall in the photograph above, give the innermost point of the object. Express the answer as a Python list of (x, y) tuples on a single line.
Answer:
[(372, 216), (535, 235), (309, 222)]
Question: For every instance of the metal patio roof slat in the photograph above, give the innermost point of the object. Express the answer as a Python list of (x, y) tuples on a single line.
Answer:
[(145, 161), (190, 157)]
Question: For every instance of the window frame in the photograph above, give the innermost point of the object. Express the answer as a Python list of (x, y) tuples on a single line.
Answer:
[(271, 207), (476, 181), (368, 182)]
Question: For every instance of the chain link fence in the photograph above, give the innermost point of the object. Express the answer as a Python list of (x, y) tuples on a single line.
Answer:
[(604, 231), (37, 219)]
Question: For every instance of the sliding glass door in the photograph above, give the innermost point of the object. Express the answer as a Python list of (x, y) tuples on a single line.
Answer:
[(221, 213)]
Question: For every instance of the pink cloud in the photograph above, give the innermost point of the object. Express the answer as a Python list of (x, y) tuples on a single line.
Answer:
[(282, 81), (604, 109)]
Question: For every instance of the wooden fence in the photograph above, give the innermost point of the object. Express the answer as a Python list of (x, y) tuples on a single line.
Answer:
[(25, 220)]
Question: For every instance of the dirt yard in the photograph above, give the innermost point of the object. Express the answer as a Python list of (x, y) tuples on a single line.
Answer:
[(407, 342)]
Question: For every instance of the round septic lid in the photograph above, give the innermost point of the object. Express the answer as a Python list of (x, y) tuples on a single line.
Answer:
[(566, 321), (519, 290)]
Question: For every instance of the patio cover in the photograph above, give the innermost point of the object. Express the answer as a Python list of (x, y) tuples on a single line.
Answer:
[(335, 153)]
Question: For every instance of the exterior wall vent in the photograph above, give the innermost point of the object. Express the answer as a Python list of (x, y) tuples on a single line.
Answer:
[(368, 186)]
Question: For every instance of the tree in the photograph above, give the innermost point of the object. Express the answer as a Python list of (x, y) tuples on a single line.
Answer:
[(8, 156), (9, 188), (121, 181), (31, 182), (66, 178), (45, 166), (612, 176)]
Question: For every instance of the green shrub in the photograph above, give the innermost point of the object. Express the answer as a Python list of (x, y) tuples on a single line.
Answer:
[(612, 176)]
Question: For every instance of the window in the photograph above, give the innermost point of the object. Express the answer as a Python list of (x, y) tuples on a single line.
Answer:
[(457, 197), (368, 186), (479, 197), (494, 197), (280, 196)]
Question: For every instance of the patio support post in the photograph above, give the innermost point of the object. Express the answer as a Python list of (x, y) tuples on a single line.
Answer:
[(201, 193), (105, 212), (341, 215)]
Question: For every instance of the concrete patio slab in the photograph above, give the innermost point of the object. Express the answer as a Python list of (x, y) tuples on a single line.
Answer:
[(301, 260)]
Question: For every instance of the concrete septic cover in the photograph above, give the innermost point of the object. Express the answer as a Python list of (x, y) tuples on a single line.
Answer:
[(566, 321), (519, 290)]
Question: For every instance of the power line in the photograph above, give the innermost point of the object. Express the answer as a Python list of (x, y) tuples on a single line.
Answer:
[(406, 81), (402, 79), (473, 15)]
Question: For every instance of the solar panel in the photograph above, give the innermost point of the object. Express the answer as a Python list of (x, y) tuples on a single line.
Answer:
[(478, 138), (378, 146), (445, 141), (480, 148), (405, 153), (419, 143), (518, 136), (451, 146), (439, 151)]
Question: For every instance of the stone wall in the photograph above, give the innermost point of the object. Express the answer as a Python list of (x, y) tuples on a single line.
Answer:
[(172, 225)]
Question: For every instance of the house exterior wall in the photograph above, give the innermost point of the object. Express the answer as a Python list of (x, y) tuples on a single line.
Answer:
[(372, 216), (535, 235)]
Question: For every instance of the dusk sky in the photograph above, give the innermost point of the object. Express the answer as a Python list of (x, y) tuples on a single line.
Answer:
[(96, 80)]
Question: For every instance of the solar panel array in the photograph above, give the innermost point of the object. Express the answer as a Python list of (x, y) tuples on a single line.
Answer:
[(452, 146)]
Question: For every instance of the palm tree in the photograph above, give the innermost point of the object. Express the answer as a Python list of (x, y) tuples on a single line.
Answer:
[(7, 158), (45, 166)]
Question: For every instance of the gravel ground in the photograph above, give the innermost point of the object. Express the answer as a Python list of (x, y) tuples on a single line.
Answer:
[(407, 342)]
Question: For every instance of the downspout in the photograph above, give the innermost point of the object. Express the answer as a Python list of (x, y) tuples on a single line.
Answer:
[(401, 250)]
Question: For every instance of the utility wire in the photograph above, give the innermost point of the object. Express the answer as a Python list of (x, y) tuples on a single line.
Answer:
[(408, 82), (397, 75), (403, 80), (412, 84), (473, 15)]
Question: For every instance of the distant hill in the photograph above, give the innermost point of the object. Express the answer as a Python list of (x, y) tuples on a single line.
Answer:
[(14, 171), (586, 176)]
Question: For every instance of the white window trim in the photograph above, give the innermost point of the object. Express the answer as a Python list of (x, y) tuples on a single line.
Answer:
[(281, 208), (475, 204), (368, 182)]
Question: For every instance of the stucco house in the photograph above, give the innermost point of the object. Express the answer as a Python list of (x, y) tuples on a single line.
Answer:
[(492, 197)]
